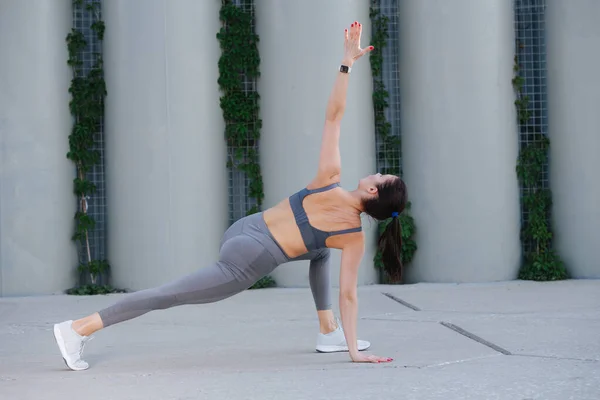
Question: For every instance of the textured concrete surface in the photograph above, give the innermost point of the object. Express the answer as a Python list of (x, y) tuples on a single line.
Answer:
[(513, 341)]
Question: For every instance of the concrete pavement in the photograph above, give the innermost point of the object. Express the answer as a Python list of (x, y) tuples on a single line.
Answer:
[(510, 340)]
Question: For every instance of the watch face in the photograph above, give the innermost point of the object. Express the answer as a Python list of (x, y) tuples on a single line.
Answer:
[(343, 68)]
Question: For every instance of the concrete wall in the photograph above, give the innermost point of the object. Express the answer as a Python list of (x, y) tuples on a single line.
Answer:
[(298, 69), (37, 204), (573, 40), (459, 138), (165, 149)]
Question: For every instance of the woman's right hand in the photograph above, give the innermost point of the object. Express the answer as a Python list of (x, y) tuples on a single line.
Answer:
[(361, 357), (352, 50)]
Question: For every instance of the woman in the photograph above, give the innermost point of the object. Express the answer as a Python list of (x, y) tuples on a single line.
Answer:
[(302, 227)]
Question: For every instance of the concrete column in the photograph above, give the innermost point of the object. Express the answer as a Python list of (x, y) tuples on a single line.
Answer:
[(165, 148), (37, 205), (460, 139), (573, 37), (300, 53)]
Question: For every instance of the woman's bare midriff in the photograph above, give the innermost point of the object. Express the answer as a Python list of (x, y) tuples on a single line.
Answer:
[(326, 211)]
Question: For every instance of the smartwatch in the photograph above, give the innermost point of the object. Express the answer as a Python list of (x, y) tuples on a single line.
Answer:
[(345, 69)]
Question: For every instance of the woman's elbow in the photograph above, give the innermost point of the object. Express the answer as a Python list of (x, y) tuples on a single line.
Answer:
[(334, 114)]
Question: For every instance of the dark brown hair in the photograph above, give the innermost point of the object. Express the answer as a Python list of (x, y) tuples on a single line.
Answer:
[(389, 203)]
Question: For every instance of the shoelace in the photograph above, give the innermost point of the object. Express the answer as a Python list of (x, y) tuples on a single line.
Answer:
[(84, 340)]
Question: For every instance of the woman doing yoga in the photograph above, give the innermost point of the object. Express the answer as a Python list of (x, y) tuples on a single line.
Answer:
[(302, 227)]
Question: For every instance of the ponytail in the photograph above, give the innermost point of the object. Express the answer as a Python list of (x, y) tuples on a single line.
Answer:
[(390, 246)]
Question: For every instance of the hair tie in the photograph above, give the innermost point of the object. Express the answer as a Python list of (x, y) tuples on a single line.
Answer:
[(394, 214)]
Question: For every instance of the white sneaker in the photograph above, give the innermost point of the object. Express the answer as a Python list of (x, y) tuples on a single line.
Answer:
[(71, 344), (336, 341)]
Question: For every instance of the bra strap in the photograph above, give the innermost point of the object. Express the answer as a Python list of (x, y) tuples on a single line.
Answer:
[(323, 189), (342, 231)]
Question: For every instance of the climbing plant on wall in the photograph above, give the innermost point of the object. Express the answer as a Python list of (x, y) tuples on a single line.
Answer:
[(389, 143), (238, 64), (541, 263), (240, 60), (87, 107)]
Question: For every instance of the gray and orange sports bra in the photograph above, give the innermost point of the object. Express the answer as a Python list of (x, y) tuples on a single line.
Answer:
[(313, 238)]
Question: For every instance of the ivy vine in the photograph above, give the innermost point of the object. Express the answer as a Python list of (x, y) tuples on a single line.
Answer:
[(541, 263), (239, 62), (389, 150), (87, 107)]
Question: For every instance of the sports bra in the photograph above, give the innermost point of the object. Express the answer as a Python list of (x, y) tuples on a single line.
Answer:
[(313, 238)]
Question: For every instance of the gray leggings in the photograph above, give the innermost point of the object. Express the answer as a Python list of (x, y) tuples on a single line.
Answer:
[(248, 253)]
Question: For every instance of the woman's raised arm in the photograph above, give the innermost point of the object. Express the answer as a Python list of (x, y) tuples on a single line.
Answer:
[(330, 164)]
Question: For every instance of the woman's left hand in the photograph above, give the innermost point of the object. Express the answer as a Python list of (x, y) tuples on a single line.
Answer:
[(362, 358), (352, 49)]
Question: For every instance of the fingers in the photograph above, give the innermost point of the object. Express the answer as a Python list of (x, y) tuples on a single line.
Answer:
[(367, 50), (346, 35), (372, 359), (355, 30), (378, 360)]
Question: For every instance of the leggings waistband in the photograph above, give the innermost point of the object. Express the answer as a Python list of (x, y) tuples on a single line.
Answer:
[(256, 227)]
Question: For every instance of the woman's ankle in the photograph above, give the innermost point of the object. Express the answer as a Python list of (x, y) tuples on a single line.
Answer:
[(325, 329), (327, 322), (88, 325)]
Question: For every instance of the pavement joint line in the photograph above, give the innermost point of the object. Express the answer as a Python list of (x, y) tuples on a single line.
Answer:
[(399, 300), (462, 361), (399, 320), (474, 337), (556, 357)]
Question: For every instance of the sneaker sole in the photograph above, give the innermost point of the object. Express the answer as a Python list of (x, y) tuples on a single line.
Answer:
[(336, 349), (60, 342)]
